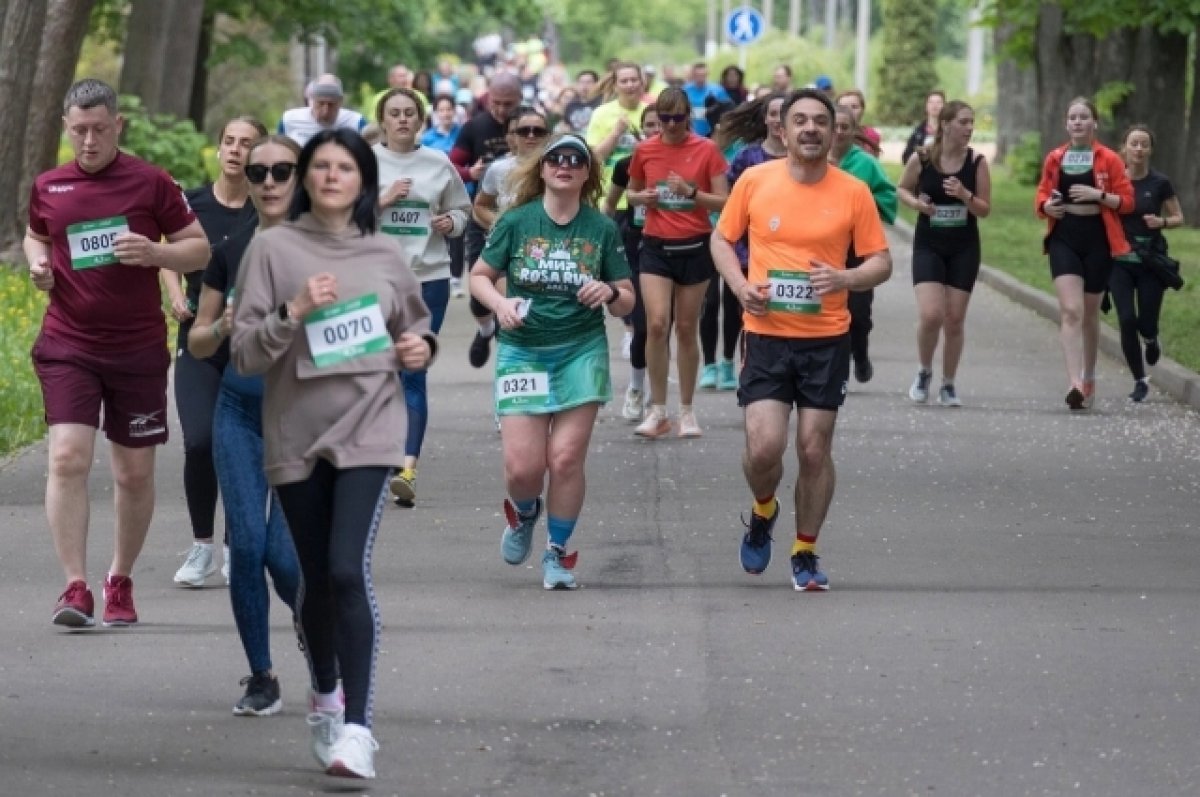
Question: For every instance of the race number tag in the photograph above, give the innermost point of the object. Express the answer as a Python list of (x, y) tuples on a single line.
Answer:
[(92, 242), (948, 216), (639, 215), (346, 330), (1077, 161), (406, 217), (792, 292), (699, 113), (522, 387), (670, 201)]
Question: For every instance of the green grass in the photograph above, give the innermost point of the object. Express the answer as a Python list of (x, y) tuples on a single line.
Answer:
[(21, 309), (1012, 242)]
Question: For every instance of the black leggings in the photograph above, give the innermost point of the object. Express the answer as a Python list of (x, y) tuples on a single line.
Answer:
[(1132, 283), (637, 316), (334, 516), (197, 383), (719, 297), (455, 247)]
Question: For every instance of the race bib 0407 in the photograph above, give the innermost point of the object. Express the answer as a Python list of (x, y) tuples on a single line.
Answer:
[(92, 242), (346, 330), (792, 292), (406, 217)]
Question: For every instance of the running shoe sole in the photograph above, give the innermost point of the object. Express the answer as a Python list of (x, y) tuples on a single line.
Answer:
[(663, 429), (339, 770), (274, 708), (191, 584), (69, 617), (811, 586), (402, 490)]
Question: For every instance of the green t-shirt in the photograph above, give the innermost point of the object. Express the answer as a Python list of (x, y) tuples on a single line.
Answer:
[(547, 263)]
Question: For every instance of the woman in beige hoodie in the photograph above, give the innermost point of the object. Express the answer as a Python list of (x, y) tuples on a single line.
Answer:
[(328, 311)]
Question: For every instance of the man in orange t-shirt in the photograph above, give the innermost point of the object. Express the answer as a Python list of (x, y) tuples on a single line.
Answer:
[(801, 216)]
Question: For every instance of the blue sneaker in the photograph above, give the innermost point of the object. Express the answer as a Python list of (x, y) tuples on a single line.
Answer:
[(727, 378), (708, 377), (806, 574), (756, 544), (556, 569), (517, 540)]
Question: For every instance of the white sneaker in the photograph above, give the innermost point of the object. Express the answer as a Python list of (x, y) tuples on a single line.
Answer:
[(353, 754), (325, 728), (456, 288), (947, 397), (626, 345), (688, 427), (919, 391), (225, 566), (635, 405), (197, 567)]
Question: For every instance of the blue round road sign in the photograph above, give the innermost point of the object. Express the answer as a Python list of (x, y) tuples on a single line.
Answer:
[(744, 25)]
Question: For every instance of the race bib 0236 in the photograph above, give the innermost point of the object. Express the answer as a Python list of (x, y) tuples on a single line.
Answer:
[(92, 242), (346, 330)]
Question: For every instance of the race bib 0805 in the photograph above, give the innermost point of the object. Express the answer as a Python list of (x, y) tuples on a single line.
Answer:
[(92, 242), (346, 330)]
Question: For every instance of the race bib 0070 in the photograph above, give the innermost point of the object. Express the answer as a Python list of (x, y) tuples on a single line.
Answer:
[(346, 330)]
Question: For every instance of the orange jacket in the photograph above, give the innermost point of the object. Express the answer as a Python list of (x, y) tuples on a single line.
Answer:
[(1110, 176)]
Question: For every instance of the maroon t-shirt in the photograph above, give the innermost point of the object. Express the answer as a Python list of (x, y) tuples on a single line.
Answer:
[(105, 307)]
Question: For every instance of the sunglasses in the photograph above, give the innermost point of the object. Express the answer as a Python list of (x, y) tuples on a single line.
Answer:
[(531, 132), (256, 173), (570, 160), (671, 118)]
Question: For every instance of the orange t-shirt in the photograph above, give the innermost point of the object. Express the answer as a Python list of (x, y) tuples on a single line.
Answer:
[(695, 159), (790, 223)]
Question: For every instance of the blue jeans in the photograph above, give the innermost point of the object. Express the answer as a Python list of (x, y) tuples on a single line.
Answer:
[(436, 294), (258, 534)]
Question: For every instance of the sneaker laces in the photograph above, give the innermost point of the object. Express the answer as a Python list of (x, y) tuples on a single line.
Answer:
[(805, 561), (120, 593), (193, 555), (758, 530), (923, 379)]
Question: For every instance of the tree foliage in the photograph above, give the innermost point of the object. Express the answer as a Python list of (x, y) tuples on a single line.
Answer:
[(908, 71)]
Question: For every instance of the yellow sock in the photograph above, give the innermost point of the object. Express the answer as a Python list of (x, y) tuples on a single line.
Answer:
[(765, 509), (800, 546)]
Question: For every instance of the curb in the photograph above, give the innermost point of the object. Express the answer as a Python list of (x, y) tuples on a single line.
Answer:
[(1177, 381)]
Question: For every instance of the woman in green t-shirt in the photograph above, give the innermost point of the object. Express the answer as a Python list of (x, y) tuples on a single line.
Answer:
[(563, 262)]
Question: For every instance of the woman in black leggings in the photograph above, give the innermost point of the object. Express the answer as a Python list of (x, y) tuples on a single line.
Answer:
[(1137, 291)]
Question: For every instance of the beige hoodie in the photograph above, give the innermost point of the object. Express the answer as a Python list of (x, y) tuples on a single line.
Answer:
[(350, 413)]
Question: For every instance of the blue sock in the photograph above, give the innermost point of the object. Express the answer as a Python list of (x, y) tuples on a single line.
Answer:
[(526, 507), (560, 530)]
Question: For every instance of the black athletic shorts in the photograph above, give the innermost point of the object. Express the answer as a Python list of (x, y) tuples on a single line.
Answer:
[(1079, 246), (954, 267), (807, 372), (684, 262)]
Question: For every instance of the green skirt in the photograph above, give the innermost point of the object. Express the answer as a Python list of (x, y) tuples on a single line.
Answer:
[(539, 380)]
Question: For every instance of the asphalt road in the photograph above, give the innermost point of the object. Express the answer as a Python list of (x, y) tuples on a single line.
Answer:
[(1013, 611)]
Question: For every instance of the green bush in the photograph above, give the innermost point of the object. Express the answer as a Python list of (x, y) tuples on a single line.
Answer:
[(169, 143), (22, 419), (1024, 161)]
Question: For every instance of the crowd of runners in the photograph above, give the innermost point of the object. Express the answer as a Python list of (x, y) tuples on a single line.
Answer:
[(310, 279)]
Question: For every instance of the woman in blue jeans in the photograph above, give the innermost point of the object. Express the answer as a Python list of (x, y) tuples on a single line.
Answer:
[(259, 541)]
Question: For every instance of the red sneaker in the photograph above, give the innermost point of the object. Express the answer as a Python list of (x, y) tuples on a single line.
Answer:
[(118, 601), (75, 607)]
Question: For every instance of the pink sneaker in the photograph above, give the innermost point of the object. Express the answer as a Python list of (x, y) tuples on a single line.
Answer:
[(118, 601), (75, 607)]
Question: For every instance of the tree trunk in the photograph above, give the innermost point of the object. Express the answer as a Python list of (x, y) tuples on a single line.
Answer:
[(198, 106), (1016, 97), (160, 53), (1187, 182), (20, 39), (62, 39)]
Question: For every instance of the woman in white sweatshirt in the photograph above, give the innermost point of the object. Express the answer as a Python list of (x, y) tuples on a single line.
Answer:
[(423, 202)]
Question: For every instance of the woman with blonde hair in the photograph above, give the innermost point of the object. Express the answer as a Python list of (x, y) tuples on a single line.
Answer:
[(563, 264)]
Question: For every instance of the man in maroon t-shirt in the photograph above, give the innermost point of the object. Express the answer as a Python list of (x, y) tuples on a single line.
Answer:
[(94, 243)]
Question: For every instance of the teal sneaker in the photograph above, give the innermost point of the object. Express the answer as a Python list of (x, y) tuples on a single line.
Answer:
[(726, 376), (708, 377), (517, 540), (556, 569)]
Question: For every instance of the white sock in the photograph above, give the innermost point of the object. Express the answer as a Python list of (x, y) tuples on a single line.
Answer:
[(637, 378), (488, 328), (330, 703)]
